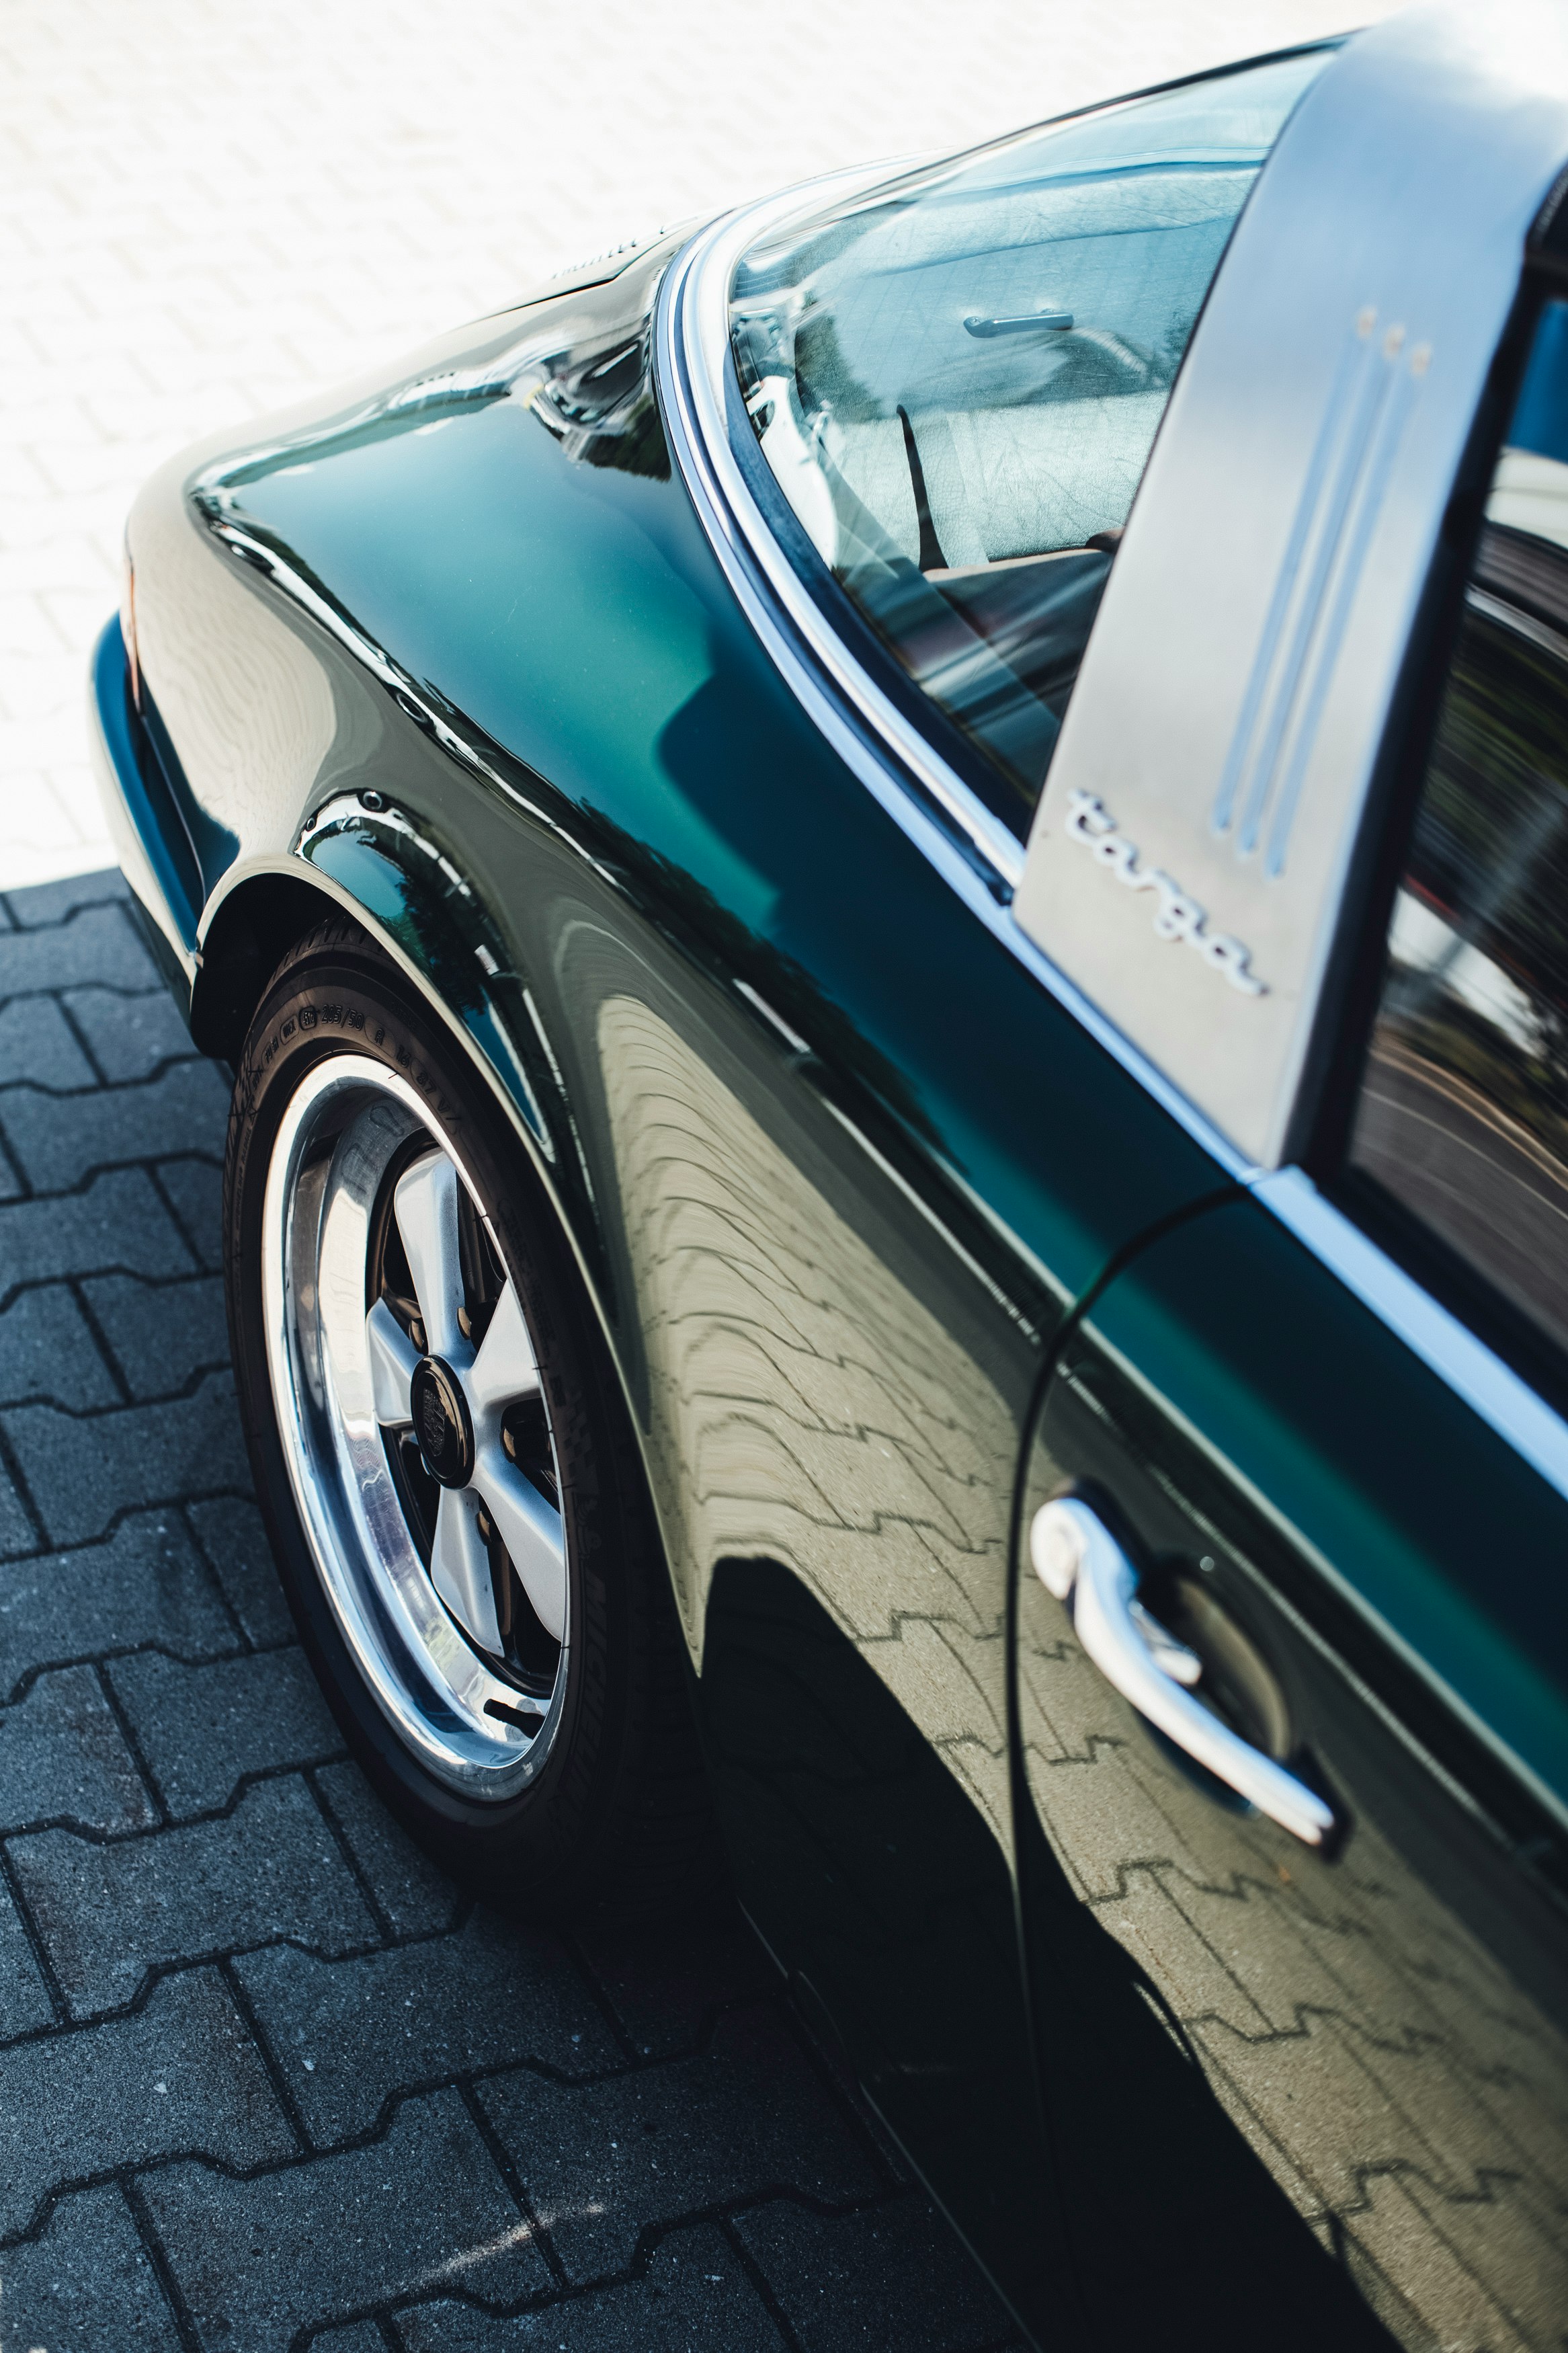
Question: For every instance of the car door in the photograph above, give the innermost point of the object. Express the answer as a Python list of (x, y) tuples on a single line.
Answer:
[(1292, 1665), (1315, 2091)]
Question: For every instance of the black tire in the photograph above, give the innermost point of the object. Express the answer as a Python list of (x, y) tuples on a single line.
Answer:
[(618, 1818)]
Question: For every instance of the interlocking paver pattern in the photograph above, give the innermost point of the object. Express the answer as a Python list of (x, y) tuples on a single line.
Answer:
[(202, 1731), (64, 1758), (267, 2080), (88, 2281), (181, 2072), (425, 2204)]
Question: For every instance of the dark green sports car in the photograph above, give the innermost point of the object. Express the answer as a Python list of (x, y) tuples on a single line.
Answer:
[(888, 887)]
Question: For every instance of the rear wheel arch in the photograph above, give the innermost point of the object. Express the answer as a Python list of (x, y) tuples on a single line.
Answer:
[(667, 1824), (246, 939)]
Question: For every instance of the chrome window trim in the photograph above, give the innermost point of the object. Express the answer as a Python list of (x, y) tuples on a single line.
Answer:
[(689, 371), (690, 357), (1503, 1399), (707, 271)]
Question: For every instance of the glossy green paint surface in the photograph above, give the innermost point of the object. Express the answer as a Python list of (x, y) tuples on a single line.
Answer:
[(1372, 2036), (835, 1163), (833, 1160), (1408, 1505), (570, 617)]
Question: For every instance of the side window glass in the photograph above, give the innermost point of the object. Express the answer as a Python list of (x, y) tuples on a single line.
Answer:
[(1463, 1112), (956, 381)]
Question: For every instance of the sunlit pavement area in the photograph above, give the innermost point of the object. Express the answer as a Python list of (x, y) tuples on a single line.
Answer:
[(264, 2080), (211, 208)]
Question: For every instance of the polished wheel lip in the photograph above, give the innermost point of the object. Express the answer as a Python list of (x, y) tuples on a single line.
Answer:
[(472, 1729)]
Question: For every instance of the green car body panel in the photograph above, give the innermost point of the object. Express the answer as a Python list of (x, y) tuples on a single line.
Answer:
[(1388, 2030), (834, 1164), (885, 1245)]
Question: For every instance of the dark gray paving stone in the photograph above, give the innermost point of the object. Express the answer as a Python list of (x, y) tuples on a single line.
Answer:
[(418, 1899), (23, 1997), (602, 2161), (694, 2297), (231, 1534), (359, 2337), (116, 1222), (203, 1728), (427, 2207), (196, 1188), (87, 2284), (57, 1139), (182, 2074), (47, 1351), (894, 2280), (63, 1757), (17, 1533), (667, 1983), (108, 1913), (51, 902), (82, 1472), (163, 1333), (37, 1043), (348, 2034), (145, 1584), (97, 944), (129, 1036), (11, 1186)]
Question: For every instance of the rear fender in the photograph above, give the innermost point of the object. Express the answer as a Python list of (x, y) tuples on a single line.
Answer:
[(383, 868)]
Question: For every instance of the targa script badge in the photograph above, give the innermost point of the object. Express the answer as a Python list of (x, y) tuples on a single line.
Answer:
[(1176, 916)]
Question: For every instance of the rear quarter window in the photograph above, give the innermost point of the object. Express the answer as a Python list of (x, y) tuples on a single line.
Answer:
[(957, 379), (1462, 1118)]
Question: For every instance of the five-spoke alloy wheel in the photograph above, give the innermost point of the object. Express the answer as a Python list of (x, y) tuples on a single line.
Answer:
[(446, 1468), (407, 1392)]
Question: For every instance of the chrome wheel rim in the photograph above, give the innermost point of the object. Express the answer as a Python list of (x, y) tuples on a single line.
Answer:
[(415, 1427)]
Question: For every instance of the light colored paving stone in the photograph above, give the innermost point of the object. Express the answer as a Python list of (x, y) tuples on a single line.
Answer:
[(206, 211)]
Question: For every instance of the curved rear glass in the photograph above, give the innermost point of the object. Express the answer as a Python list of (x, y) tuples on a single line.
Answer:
[(957, 378)]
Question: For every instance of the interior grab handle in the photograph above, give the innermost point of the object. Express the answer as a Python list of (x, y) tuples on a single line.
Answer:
[(1075, 1556)]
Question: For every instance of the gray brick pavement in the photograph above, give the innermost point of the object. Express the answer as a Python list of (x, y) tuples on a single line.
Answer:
[(696, 2295), (110, 1913), (119, 1223), (424, 2205), (88, 2280), (607, 2161), (349, 2036), (201, 1731), (230, 1534), (265, 2080), (57, 1140), (82, 1471), (64, 1758), (160, 1335), (147, 1583), (183, 2072), (49, 1351)]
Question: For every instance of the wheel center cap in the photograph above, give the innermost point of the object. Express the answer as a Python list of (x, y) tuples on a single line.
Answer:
[(441, 1424)]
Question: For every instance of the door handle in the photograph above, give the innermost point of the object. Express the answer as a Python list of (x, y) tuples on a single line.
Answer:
[(1075, 1556)]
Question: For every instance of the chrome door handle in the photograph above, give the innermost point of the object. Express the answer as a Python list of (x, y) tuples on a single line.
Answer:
[(1075, 1554)]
